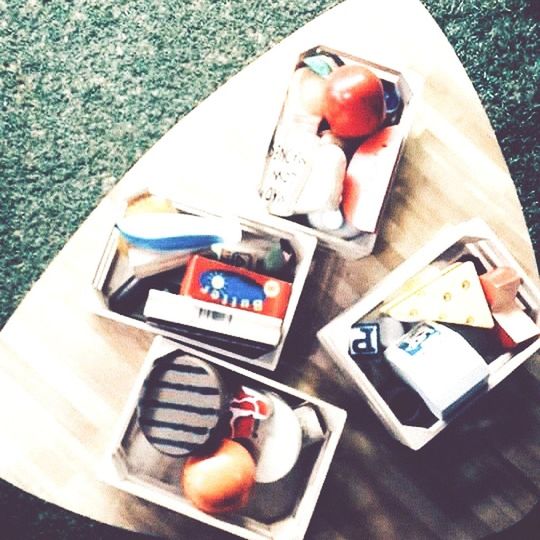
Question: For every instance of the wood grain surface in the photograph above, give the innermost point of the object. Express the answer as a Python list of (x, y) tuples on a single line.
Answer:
[(65, 373)]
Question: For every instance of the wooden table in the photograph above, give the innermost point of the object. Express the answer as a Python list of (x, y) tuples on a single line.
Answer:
[(65, 373)]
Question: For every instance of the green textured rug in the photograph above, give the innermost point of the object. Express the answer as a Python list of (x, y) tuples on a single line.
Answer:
[(86, 87)]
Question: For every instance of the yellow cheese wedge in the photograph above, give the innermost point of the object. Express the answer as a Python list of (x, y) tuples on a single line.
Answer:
[(427, 275), (455, 297)]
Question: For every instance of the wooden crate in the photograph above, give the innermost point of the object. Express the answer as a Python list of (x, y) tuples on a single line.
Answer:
[(474, 238), (303, 245), (158, 485), (364, 242)]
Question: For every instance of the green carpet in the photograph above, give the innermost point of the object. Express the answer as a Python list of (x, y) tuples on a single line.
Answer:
[(87, 86)]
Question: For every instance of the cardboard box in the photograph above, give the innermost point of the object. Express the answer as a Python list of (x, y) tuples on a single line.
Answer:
[(276, 184), (471, 240), (158, 481), (112, 272)]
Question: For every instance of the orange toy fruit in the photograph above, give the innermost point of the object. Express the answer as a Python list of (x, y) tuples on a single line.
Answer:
[(221, 481)]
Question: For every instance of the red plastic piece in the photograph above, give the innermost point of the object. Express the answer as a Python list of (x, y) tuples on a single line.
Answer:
[(506, 342), (500, 287), (248, 408)]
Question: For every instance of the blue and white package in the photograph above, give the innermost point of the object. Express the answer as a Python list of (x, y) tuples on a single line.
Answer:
[(169, 232), (439, 364)]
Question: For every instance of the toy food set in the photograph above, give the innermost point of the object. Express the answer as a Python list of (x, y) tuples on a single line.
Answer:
[(447, 325), (222, 445), (334, 153), (216, 283)]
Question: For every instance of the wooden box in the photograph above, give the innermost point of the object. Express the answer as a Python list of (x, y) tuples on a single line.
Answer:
[(354, 244), (472, 240), (157, 480), (112, 268)]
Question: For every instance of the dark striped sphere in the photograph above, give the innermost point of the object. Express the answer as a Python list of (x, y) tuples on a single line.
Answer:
[(181, 404)]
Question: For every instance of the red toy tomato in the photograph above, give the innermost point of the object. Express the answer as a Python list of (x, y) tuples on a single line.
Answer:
[(353, 101)]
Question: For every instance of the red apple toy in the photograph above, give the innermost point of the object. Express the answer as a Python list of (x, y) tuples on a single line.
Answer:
[(353, 101)]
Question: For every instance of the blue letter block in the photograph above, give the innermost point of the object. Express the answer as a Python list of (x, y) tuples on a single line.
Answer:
[(364, 340)]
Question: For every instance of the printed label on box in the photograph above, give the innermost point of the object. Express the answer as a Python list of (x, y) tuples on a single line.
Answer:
[(220, 283), (413, 342)]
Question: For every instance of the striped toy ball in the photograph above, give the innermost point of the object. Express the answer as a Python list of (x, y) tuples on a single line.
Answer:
[(181, 404)]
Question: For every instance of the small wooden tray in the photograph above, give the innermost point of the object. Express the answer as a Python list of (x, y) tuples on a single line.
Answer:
[(363, 243), (158, 485), (303, 245), (473, 238)]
